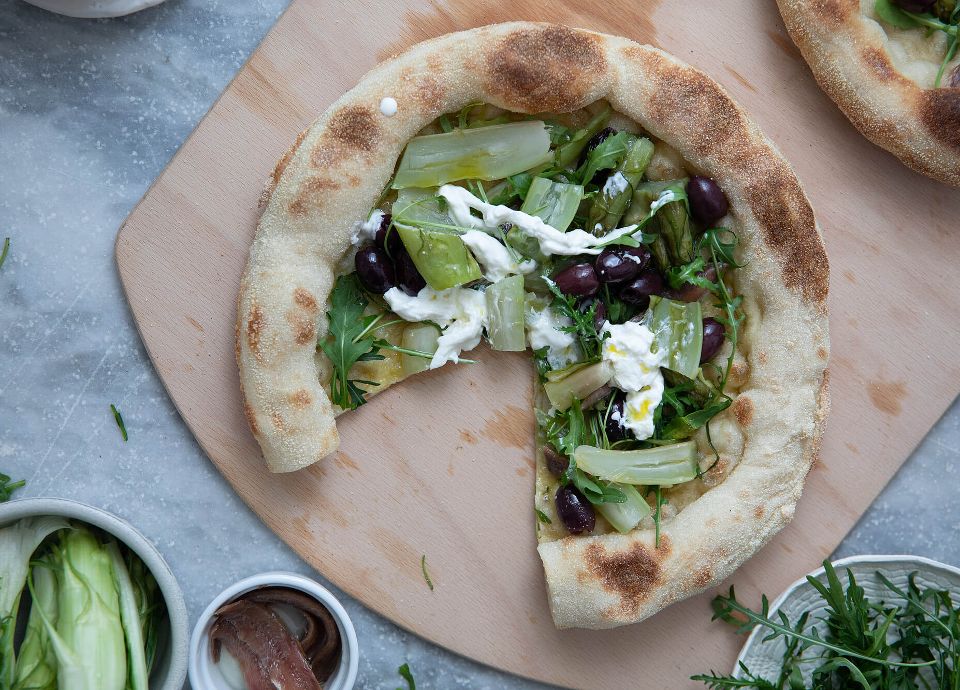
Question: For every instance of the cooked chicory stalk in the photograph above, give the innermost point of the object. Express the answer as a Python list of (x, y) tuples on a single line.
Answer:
[(627, 515), (88, 638), (441, 257), (676, 232), (576, 382), (613, 199), (17, 544), (678, 328), (556, 203), (418, 337), (505, 314), (37, 662), (660, 466), (487, 153), (137, 669)]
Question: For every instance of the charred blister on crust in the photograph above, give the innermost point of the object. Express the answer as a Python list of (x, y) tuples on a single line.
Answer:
[(743, 410), (300, 398), (255, 326), (940, 112), (551, 68), (277, 421), (303, 298), (834, 12), (310, 195), (633, 574), (879, 64), (357, 127), (251, 418), (789, 229)]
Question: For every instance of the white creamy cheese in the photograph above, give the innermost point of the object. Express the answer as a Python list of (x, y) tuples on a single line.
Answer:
[(666, 196), (460, 312), (496, 260), (543, 331), (639, 406), (615, 184), (636, 370), (388, 106), (366, 231), (552, 241)]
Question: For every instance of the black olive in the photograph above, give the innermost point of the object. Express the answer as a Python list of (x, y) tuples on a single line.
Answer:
[(574, 510), (713, 334), (708, 203), (556, 463), (579, 280), (620, 264), (374, 269), (638, 290)]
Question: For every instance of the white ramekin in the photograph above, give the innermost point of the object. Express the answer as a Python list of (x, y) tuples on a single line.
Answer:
[(171, 669), (204, 674)]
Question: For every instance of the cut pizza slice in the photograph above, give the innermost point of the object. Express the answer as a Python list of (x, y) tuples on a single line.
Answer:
[(893, 68), (604, 206)]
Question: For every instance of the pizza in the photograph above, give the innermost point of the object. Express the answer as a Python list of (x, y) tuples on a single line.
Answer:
[(893, 68), (606, 207)]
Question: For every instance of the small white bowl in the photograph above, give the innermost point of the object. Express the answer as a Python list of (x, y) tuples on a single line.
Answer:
[(94, 9), (204, 674), (765, 658), (171, 669)]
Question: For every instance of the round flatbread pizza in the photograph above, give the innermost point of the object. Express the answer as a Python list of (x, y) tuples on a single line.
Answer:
[(893, 67), (607, 207)]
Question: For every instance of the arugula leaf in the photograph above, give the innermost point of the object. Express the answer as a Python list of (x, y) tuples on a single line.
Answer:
[(7, 487), (423, 569), (3, 252), (349, 342), (684, 426), (893, 15), (405, 673), (543, 517), (583, 326), (749, 680), (608, 154), (119, 420), (514, 187)]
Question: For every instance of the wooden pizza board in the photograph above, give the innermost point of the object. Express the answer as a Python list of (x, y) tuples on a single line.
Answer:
[(442, 464)]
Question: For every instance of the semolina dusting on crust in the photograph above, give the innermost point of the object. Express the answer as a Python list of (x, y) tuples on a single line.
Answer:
[(882, 78), (337, 171)]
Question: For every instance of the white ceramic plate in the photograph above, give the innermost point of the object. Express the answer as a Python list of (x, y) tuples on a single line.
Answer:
[(206, 675), (94, 9), (764, 658), (171, 669)]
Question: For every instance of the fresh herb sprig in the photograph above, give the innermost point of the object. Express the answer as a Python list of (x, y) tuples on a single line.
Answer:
[(583, 322), (407, 675), (4, 251), (118, 418), (865, 644), (7, 487)]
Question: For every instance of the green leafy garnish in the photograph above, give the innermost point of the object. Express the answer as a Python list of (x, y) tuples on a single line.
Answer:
[(423, 569), (119, 420), (608, 154), (870, 644), (543, 517), (3, 252), (349, 341), (405, 673), (583, 322), (7, 487)]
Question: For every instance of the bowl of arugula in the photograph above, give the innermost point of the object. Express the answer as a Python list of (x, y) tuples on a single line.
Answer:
[(862, 622)]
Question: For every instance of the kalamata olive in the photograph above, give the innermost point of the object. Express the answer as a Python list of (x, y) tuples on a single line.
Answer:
[(616, 431), (388, 240), (708, 203), (408, 277), (955, 77), (620, 264), (599, 315), (374, 269), (915, 5), (688, 292), (638, 290), (556, 463), (575, 510), (579, 280), (713, 333)]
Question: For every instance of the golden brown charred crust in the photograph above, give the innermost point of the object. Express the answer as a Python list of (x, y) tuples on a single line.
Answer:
[(255, 326), (940, 112), (632, 575), (743, 410), (549, 68)]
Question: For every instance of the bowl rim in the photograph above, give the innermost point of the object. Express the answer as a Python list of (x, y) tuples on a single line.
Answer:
[(134, 539), (94, 9), (350, 649), (922, 562)]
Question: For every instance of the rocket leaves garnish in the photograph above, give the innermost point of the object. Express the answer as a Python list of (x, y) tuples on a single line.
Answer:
[(607, 154), (3, 252), (865, 643), (405, 673), (7, 487), (349, 341), (423, 569), (118, 418), (583, 326)]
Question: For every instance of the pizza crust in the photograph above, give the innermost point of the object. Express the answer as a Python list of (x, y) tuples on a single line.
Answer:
[(337, 171), (882, 78)]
